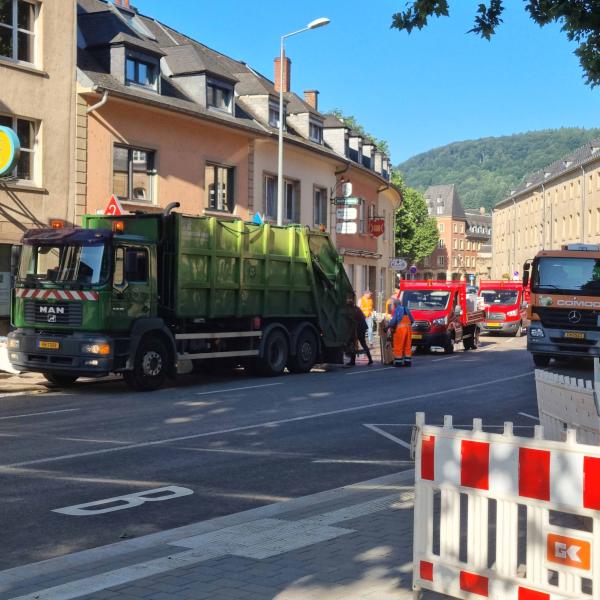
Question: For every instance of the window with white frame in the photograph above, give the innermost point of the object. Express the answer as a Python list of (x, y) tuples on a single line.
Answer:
[(361, 217), (440, 210), (134, 174), (441, 227), (142, 73), (219, 185), (455, 227), (273, 114), (17, 30), (441, 261), (27, 131), (441, 243), (315, 132), (320, 206)]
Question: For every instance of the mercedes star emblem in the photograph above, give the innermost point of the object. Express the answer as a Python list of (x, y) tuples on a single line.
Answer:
[(574, 317)]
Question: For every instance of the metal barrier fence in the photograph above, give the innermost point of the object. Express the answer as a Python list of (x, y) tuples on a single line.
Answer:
[(566, 402), (505, 517)]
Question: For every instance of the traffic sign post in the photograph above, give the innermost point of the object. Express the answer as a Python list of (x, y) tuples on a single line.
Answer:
[(113, 208)]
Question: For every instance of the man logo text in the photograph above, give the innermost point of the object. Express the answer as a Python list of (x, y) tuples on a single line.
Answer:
[(51, 310)]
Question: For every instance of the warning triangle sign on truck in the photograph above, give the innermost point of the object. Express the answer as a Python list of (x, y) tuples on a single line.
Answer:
[(113, 208)]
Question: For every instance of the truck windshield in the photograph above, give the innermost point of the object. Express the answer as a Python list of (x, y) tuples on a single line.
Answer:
[(426, 299), (566, 274), (83, 264), (500, 297)]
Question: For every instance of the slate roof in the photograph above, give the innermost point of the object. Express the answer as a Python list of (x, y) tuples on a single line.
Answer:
[(446, 197), (580, 157), (191, 58), (332, 122)]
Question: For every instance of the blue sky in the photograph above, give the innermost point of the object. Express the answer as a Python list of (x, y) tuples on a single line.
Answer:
[(418, 91)]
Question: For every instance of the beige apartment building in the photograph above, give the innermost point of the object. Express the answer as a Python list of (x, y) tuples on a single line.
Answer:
[(557, 205), (37, 100)]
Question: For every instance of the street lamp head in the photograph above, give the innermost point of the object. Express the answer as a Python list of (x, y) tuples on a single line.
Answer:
[(321, 22)]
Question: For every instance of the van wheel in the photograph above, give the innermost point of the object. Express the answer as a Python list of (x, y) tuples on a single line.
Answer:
[(541, 360), (149, 367), (60, 380), (449, 347), (275, 355), (306, 352), (519, 331)]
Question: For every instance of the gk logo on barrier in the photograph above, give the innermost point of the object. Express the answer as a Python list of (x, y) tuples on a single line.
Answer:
[(569, 552), (100, 507)]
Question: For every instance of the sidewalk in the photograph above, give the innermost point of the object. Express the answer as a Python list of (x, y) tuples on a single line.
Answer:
[(353, 543)]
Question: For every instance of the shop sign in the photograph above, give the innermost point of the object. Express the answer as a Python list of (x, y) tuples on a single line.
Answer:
[(346, 214), (10, 148), (376, 227), (350, 201)]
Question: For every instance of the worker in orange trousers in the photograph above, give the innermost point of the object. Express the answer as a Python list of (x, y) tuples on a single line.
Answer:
[(401, 327)]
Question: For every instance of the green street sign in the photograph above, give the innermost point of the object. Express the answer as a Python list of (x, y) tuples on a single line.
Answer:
[(351, 201)]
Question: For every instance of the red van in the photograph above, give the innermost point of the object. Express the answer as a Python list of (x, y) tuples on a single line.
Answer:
[(444, 315), (505, 306)]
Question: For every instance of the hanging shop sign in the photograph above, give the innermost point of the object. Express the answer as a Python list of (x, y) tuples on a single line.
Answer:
[(376, 227), (10, 149)]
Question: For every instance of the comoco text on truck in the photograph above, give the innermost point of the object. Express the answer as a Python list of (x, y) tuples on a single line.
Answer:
[(565, 303), (505, 304), (136, 294), (444, 315)]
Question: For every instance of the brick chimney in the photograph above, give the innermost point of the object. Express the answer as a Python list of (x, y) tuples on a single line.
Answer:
[(287, 73), (123, 3), (312, 97)]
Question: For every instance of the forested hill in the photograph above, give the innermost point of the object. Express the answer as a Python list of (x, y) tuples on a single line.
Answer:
[(485, 170)]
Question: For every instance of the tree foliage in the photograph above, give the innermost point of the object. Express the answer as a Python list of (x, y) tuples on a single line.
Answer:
[(416, 232), (351, 122), (485, 170), (579, 19)]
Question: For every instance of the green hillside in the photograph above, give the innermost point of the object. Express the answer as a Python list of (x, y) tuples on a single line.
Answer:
[(485, 170)]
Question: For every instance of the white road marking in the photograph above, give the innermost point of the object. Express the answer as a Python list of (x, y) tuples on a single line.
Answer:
[(453, 425), (362, 372), (248, 387), (529, 416), (48, 412), (123, 502), (267, 424), (387, 435)]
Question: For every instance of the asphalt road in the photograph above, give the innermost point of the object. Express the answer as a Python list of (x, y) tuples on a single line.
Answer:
[(234, 442)]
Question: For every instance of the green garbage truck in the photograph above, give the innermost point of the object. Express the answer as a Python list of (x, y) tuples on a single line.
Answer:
[(137, 294)]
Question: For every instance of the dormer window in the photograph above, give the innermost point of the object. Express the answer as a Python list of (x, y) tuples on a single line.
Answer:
[(219, 95), (273, 114), (315, 132), (138, 72)]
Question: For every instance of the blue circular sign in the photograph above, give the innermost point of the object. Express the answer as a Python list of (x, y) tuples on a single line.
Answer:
[(413, 269), (10, 149)]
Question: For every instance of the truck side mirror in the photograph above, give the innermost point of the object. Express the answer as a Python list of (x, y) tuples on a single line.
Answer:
[(15, 260)]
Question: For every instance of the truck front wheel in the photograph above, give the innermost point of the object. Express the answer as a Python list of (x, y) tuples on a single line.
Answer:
[(275, 354), (149, 366), (306, 352), (541, 360)]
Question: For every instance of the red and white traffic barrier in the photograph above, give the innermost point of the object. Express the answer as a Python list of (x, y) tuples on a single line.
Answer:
[(56, 294), (505, 517)]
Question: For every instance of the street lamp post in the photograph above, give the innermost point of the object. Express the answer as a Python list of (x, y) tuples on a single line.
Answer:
[(312, 25)]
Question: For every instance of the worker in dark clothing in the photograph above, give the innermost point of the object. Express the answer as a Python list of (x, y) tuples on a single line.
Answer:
[(360, 331)]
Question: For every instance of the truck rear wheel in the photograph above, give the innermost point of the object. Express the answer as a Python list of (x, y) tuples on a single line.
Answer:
[(275, 354), (519, 331), (541, 360), (60, 379), (472, 342), (149, 367), (306, 352), (449, 347)]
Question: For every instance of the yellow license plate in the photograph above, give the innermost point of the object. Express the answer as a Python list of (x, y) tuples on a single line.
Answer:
[(575, 335), (417, 336), (49, 345), (492, 324)]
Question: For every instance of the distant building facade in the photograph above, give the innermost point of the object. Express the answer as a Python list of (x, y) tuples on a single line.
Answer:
[(462, 237), (557, 205)]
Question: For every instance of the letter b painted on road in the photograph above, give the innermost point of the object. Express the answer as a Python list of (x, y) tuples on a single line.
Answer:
[(100, 507)]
